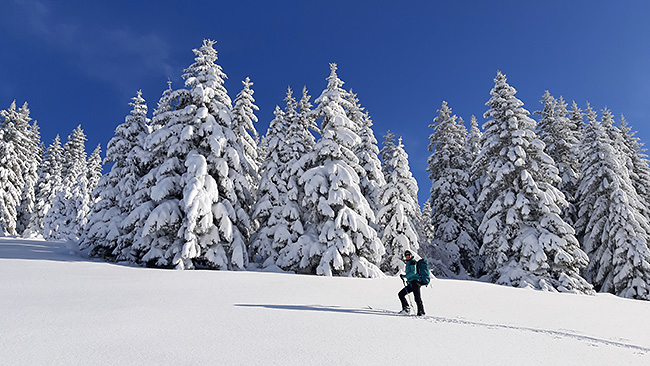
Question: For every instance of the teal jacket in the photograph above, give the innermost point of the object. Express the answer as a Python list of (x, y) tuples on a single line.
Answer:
[(411, 271)]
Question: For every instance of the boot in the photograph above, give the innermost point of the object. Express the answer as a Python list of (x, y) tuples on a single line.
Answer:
[(405, 311)]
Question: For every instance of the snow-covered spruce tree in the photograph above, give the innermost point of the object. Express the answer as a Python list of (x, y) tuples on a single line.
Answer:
[(278, 203), (25, 139), (455, 240), (11, 180), (371, 177), (200, 196), (150, 154), (339, 239), (28, 205), (399, 211), (243, 114), (640, 170), (274, 232), (299, 141), (559, 135), (614, 232), (71, 205), (104, 235), (525, 241), (48, 184)]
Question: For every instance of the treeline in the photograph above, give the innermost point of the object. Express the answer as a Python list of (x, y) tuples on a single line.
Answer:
[(559, 204)]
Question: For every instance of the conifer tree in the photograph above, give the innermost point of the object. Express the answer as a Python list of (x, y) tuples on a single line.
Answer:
[(299, 142), (11, 179), (149, 154), (614, 232), (48, 184), (339, 239), (25, 139), (399, 211), (455, 240), (200, 195), (273, 233), (104, 235), (525, 241), (556, 131), (72, 202), (243, 126)]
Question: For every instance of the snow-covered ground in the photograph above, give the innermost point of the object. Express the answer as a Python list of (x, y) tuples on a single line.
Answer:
[(60, 309)]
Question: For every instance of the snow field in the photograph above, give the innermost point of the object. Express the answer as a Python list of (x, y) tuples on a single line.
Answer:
[(59, 309)]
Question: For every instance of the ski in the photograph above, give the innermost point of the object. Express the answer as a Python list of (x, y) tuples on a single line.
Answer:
[(393, 312)]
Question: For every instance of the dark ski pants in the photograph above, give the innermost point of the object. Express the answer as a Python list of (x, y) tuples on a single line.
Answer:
[(413, 287)]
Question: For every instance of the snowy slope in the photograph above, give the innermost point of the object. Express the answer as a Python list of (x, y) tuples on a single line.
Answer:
[(58, 309)]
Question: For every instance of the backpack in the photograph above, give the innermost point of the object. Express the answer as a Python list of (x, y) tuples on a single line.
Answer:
[(422, 267)]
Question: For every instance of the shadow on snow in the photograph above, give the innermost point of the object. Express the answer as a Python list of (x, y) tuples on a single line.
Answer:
[(34, 249), (329, 309)]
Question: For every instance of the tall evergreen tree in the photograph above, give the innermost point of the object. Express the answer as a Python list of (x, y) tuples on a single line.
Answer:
[(299, 142), (615, 233), (149, 153), (558, 133), (25, 139), (72, 202), (48, 184), (243, 126), (525, 241), (11, 179), (104, 235), (455, 240), (274, 232), (399, 211), (340, 239), (200, 196)]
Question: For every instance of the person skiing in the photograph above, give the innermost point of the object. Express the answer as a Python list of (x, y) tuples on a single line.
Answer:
[(413, 284)]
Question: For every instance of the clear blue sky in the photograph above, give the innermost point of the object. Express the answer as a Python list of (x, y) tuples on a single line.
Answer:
[(80, 62)]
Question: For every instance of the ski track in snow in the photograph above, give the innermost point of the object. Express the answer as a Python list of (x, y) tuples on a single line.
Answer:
[(437, 319), (556, 333)]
